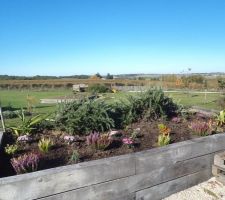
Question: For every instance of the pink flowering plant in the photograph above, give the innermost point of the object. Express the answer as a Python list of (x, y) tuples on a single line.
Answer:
[(201, 128), (69, 138), (100, 142), (92, 138), (26, 163), (128, 141)]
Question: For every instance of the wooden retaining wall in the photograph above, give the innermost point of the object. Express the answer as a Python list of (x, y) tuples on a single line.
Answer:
[(1, 137), (147, 175)]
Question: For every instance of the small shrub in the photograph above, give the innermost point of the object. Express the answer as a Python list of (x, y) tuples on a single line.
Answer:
[(74, 157), (92, 138), (137, 107), (81, 117), (163, 140), (164, 135), (47, 124), (45, 145), (221, 118), (163, 129), (98, 88), (201, 128), (100, 142), (11, 149), (121, 114), (128, 141), (8, 114), (27, 125), (152, 104), (135, 133), (26, 163), (103, 142)]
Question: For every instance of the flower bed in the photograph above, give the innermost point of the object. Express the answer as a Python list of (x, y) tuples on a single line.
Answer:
[(67, 149), (149, 175)]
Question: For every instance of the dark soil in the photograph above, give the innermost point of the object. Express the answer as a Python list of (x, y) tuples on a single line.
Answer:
[(61, 152)]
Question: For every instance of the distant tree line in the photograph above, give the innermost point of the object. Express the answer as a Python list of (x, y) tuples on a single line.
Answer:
[(38, 77)]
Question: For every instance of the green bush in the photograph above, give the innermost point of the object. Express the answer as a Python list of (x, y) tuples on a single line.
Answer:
[(152, 105), (84, 116), (121, 114), (98, 88), (8, 114)]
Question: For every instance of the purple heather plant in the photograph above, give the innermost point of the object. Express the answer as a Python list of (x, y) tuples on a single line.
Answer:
[(201, 128), (92, 138), (98, 141), (26, 163)]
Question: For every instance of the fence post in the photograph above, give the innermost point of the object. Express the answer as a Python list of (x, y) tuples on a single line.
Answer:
[(2, 120)]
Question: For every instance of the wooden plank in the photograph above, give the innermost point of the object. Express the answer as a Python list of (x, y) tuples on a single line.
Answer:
[(2, 120), (171, 154), (1, 138), (165, 189), (219, 173), (219, 160), (215, 170), (57, 180), (112, 189)]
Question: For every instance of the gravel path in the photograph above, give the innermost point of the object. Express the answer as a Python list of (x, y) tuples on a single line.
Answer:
[(209, 190)]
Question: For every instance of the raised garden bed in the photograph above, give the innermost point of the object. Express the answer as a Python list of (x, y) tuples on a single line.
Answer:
[(146, 175), (80, 133), (60, 153)]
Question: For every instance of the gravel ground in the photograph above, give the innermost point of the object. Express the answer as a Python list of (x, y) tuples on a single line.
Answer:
[(209, 190)]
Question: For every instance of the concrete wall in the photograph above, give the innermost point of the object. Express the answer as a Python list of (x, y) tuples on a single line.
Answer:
[(148, 175)]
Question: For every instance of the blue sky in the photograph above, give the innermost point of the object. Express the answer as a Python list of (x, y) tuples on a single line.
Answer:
[(66, 37)]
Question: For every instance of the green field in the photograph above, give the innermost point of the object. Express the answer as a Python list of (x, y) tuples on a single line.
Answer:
[(208, 101), (17, 99)]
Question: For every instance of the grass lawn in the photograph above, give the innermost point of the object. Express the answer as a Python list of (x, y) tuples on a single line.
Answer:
[(18, 99), (198, 99)]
